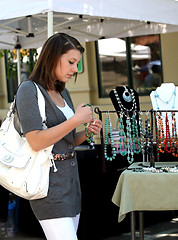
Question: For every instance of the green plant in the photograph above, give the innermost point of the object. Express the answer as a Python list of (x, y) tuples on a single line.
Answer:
[(28, 57), (11, 65), (11, 60), (1, 53)]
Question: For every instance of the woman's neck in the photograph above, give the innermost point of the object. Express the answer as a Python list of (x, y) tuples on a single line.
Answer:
[(56, 98)]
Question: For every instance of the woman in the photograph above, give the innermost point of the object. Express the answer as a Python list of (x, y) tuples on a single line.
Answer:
[(58, 213)]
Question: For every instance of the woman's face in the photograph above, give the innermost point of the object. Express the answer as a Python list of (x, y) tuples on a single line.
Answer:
[(67, 65)]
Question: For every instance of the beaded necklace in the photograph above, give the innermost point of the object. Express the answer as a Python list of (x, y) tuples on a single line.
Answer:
[(130, 150), (135, 134), (160, 132), (168, 105), (148, 135), (131, 133), (174, 136), (157, 137), (121, 106), (168, 137), (119, 136), (89, 139), (116, 139), (142, 133), (113, 149), (162, 104), (122, 145)]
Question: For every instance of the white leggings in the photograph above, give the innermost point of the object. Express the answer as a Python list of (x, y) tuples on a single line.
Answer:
[(61, 228)]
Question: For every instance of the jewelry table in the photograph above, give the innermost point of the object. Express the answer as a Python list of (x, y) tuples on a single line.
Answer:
[(145, 191)]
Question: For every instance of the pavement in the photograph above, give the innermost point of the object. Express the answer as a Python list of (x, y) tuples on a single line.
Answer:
[(166, 230)]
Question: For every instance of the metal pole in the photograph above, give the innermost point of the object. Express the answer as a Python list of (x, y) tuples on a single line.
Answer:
[(97, 111), (152, 160), (141, 225), (132, 218), (129, 62), (18, 67), (50, 23)]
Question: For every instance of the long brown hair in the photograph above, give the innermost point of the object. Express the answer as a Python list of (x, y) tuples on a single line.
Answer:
[(52, 50)]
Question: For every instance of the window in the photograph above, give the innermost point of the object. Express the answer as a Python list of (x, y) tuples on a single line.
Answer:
[(112, 66), (135, 62), (146, 65)]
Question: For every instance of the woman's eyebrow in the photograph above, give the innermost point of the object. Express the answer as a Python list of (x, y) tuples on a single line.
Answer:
[(75, 59)]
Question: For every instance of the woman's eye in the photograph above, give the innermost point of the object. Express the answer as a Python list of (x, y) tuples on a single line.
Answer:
[(71, 62)]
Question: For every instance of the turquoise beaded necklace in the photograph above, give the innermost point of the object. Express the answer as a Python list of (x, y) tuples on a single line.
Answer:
[(89, 139), (156, 95), (130, 151), (132, 134), (135, 134), (142, 133), (122, 140), (113, 149)]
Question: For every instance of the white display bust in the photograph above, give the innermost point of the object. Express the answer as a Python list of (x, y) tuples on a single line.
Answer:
[(165, 97)]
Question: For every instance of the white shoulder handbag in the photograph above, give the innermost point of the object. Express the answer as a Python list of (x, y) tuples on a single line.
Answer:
[(23, 171)]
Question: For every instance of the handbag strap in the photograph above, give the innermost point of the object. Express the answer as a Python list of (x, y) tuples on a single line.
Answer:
[(41, 104), (12, 110)]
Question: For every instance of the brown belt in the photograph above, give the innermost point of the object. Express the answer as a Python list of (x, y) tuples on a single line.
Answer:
[(64, 156)]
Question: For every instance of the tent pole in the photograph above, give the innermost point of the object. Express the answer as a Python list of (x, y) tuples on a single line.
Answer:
[(18, 67), (50, 23)]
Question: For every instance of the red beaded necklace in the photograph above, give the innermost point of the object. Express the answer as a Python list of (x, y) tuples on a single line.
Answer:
[(157, 138), (160, 132), (174, 136), (168, 136)]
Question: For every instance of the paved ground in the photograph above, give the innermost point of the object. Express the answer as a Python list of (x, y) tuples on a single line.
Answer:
[(160, 231), (167, 230)]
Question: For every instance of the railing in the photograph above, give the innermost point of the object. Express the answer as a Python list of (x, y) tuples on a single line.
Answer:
[(150, 141)]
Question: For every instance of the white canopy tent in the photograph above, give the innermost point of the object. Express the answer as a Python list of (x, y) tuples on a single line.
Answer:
[(27, 24)]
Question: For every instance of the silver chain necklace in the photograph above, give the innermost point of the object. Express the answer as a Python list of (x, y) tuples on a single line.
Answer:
[(132, 96)]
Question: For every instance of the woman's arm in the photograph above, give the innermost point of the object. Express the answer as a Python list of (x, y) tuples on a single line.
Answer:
[(40, 139)]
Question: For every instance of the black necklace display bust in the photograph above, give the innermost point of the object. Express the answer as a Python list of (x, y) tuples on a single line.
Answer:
[(126, 100)]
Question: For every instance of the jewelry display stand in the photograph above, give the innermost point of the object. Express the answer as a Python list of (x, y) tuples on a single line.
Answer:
[(170, 144), (148, 150), (165, 98), (126, 100), (135, 137)]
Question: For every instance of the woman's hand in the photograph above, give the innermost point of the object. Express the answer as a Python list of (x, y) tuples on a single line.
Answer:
[(83, 114), (95, 126)]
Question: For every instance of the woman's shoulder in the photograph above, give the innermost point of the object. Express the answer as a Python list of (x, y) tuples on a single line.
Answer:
[(26, 90), (26, 86)]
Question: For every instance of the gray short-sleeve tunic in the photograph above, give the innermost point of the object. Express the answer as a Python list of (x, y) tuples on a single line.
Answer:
[(64, 195)]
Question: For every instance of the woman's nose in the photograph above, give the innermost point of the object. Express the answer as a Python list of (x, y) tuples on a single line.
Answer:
[(75, 68)]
